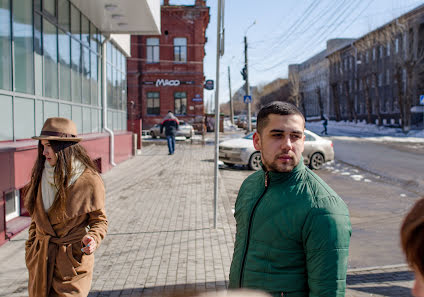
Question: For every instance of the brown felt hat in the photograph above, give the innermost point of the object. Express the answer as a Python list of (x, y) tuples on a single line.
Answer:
[(60, 129)]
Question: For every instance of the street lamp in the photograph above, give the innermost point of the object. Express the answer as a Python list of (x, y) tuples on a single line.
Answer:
[(245, 74)]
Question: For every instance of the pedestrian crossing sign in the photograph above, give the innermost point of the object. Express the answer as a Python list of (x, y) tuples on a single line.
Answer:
[(247, 99), (422, 99)]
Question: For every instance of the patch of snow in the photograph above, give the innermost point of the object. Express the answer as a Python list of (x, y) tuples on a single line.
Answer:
[(357, 177)]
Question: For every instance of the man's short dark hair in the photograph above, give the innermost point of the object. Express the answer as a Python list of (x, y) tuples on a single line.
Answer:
[(275, 107)]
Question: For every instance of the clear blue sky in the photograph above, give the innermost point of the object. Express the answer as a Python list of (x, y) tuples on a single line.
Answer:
[(286, 32)]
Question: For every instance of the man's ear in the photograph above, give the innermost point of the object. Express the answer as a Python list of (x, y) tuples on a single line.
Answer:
[(257, 141)]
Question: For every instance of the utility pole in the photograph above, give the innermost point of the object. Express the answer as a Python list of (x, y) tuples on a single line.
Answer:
[(231, 98), (249, 120), (219, 53)]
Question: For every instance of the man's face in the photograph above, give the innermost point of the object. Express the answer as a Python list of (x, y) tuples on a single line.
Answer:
[(281, 142)]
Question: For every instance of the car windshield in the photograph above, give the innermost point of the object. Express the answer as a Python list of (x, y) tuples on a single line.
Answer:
[(249, 136)]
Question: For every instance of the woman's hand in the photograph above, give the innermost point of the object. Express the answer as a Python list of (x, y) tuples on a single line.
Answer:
[(89, 245)]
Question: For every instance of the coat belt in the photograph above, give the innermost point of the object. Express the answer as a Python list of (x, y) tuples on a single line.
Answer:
[(51, 248)]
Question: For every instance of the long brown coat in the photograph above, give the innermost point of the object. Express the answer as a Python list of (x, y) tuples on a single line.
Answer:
[(56, 265)]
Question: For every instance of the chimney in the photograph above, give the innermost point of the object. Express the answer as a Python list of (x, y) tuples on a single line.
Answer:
[(166, 2)]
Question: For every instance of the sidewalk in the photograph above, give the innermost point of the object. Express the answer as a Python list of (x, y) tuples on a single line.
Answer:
[(161, 236)]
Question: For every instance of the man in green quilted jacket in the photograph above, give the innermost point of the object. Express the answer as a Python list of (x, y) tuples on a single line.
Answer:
[(293, 230)]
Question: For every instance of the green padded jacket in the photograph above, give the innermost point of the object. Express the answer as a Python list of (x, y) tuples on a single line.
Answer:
[(293, 234)]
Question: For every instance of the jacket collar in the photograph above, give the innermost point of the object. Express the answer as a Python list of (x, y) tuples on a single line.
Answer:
[(282, 176)]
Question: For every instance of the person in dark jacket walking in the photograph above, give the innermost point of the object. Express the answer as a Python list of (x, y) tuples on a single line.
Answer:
[(293, 230), (324, 124), (170, 123)]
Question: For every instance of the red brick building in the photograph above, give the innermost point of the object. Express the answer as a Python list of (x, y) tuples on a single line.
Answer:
[(166, 72)]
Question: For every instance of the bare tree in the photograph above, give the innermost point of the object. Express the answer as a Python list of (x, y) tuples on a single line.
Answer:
[(403, 35)]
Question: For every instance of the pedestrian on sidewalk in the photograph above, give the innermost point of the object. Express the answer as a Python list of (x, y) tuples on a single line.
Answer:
[(66, 200), (324, 124), (170, 123), (412, 238), (293, 230)]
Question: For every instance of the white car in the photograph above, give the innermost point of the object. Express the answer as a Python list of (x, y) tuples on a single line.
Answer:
[(184, 129), (241, 151)]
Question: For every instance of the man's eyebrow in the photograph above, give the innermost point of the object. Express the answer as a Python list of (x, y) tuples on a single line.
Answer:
[(282, 131)]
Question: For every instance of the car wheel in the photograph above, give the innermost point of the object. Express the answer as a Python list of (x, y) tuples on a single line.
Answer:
[(229, 164), (255, 161), (316, 162), (153, 134)]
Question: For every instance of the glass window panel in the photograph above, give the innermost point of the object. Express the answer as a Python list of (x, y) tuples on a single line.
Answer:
[(180, 49), (76, 70), (95, 127), (86, 120), (50, 6), (124, 64), (50, 59), (75, 23), (124, 92), (109, 85), (6, 119), (37, 5), (109, 52), (152, 48), (65, 111), (39, 116), (115, 121), (110, 119), (11, 205), (65, 65), (63, 18), (38, 55), (5, 46), (51, 109), (23, 40), (93, 79), (77, 117), (86, 75), (93, 34), (117, 93), (24, 118), (85, 30)]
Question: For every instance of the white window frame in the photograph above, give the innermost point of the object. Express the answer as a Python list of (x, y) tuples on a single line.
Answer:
[(17, 212), (152, 50)]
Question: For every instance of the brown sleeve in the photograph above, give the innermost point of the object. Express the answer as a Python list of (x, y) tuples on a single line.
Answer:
[(98, 225), (31, 235)]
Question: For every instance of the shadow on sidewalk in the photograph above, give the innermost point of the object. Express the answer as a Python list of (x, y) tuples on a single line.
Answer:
[(158, 231), (389, 291), (179, 290), (355, 279)]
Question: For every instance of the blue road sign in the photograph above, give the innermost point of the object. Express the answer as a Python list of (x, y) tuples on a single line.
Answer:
[(247, 99), (422, 99)]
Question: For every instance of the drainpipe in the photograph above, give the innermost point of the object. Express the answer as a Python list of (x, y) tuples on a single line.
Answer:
[(104, 98)]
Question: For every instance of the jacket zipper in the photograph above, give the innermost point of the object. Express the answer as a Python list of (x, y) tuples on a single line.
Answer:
[(243, 262)]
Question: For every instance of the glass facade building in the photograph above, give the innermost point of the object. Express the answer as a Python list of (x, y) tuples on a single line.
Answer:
[(50, 56)]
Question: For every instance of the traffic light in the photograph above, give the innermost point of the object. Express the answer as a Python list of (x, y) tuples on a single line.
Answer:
[(244, 73)]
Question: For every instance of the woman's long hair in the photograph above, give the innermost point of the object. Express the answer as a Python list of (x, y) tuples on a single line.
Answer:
[(65, 151)]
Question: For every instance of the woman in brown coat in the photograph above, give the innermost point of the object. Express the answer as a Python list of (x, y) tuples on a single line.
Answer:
[(65, 199)]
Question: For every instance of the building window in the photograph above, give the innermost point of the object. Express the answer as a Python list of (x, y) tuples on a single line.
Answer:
[(388, 48), (5, 46), (397, 45), (387, 77), (373, 54), (50, 59), (153, 103), (367, 56), (23, 46), (12, 205), (152, 47), (180, 103), (380, 79), (180, 50), (381, 51)]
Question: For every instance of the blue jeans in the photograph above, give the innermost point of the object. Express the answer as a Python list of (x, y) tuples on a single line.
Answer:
[(171, 143)]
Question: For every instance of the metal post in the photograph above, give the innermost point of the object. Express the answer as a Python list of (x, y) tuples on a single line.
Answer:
[(231, 98), (249, 120), (218, 56)]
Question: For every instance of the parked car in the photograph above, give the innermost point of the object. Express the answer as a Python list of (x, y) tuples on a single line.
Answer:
[(184, 129), (318, 150)]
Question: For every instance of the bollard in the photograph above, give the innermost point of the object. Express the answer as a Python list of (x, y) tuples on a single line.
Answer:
[(135, 144)]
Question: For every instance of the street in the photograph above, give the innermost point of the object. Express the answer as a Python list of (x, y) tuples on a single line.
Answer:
[(377, 202), (161, 237)]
